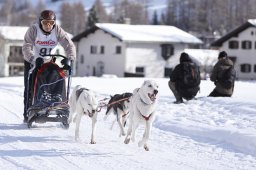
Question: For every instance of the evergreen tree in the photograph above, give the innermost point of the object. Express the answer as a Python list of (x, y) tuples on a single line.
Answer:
[(155, 19), (101, 12), (92, 18), (171, 13), (129, 9), (163, 19)]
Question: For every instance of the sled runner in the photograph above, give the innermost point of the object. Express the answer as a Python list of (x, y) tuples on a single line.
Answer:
[(49, 92)]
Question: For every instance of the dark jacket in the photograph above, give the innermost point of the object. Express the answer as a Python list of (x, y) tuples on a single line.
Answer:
[(218, 70), (176, 76)]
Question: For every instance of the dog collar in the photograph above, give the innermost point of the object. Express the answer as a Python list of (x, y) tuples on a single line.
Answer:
[(145, 102), (146, 117)]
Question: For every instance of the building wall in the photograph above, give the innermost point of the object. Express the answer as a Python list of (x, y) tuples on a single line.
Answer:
[(13, 68), (134, 55), (146, 55), (175, 59), (2, 58), (4, 54), (244, 56), (113, 63)]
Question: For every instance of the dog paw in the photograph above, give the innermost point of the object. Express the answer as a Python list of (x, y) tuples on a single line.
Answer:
[(122, 134), (146, 147), (127, 140), (92, 142), (77, 139)]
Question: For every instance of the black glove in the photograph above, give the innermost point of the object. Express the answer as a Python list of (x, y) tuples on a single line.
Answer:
[(39, 62), (65, 63)]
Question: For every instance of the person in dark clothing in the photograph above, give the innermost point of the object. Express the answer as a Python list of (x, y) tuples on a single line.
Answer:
[(218, 70), (185, 79)]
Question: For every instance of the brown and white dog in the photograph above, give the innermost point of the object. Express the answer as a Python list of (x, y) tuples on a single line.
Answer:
[(142, 111), (118, 104), (83, 102)]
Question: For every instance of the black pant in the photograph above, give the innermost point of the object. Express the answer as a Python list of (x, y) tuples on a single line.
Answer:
[(214, 93), (27, 88)]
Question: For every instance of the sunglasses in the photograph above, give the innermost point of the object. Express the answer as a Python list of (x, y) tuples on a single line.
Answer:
[(47, 22)]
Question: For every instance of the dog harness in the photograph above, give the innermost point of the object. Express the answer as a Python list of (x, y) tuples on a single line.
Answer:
[(145, 117), (79, 91)]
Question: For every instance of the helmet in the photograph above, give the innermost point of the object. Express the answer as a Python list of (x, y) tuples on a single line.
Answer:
[(48, 15)]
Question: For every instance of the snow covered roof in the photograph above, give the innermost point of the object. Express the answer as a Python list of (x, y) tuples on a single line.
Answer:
[(13, 32), (145, 33), (252, 21), (234, 33), (203, 57)]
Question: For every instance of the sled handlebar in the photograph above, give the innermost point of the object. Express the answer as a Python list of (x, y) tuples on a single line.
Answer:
[(53, 55)]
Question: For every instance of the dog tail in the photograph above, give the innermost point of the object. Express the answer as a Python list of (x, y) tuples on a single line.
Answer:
[(109, 107), (73, 98), (107, 112), (77, 87)]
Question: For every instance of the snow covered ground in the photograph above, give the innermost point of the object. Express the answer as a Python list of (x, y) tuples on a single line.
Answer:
[(207, 133)]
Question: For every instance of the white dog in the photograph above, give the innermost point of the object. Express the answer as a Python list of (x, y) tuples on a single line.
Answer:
[(83, 102), (142, 111)]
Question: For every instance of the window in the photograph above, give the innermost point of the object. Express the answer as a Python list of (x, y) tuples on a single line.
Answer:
[(233, 44), (167, 51), (15, 54), (167, 72), (246, 44), (100, 68), (102, 49), (118, 49), (82, 59), (93, 49), (139, 69), (245, 68), (254, 68)]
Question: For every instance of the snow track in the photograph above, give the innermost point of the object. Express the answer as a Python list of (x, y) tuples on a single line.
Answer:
[(207, 133)]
